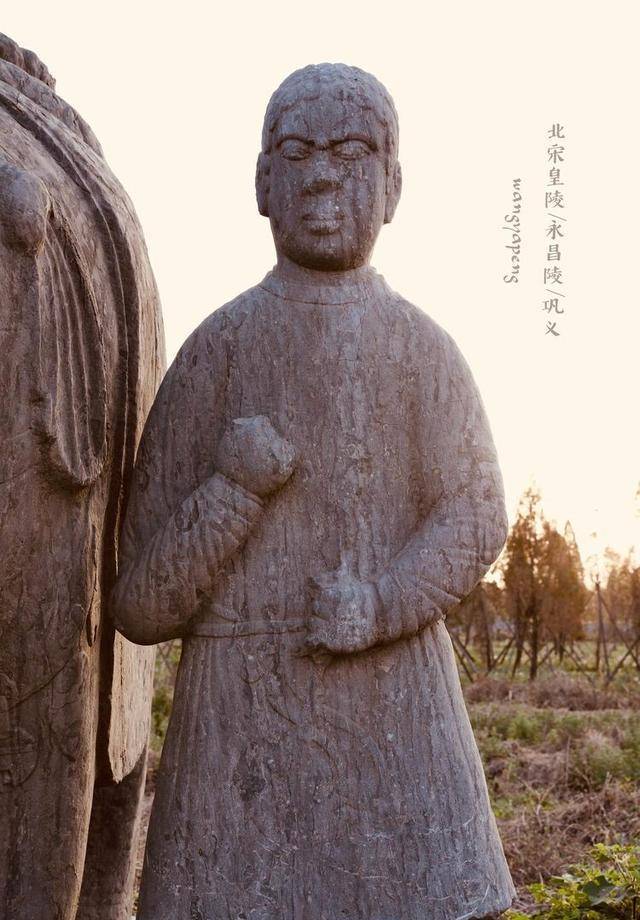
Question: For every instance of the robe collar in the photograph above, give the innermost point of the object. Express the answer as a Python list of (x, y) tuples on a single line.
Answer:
[(314, 287)]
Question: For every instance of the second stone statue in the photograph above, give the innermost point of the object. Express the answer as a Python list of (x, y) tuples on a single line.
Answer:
[(316, 486)]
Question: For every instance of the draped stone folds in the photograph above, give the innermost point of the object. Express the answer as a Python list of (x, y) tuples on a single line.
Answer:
[(82, 355)]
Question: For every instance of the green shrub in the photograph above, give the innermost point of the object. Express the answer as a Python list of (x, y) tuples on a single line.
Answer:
[(607, 885), (160, 712), (166, 667), (599, 759)]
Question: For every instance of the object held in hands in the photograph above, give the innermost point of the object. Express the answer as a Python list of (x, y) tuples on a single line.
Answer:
[(345, 614), (254, 455)]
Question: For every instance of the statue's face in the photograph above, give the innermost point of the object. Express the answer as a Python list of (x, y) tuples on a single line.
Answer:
[(327, 195)]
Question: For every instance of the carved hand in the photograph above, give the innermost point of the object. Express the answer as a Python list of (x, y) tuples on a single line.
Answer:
[(254, 455), (345, 614)]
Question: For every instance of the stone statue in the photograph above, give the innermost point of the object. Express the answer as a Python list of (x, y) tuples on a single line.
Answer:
[(82, 354), (316, 486)]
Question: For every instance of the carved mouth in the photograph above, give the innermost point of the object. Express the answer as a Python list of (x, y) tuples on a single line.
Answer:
[(322, 226)]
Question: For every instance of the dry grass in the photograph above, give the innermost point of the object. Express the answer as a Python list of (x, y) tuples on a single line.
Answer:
[(559, 690), (562, 761), (545, 837)]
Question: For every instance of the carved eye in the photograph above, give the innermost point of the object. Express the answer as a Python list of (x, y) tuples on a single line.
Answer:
[(351, 149), (293, 149)]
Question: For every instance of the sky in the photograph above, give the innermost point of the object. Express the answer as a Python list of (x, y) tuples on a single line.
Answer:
[(176, 94)]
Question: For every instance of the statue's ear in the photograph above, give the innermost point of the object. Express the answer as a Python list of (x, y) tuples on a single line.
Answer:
[(24, 208), (394, 188), (263, 168)]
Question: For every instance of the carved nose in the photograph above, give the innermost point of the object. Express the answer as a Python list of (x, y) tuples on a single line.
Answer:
[(323, 178)]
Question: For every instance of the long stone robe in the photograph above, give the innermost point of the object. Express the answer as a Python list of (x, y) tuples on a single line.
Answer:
[(291, 786), (82, 354)]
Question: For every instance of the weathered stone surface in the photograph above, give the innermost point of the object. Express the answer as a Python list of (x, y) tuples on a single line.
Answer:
[(319, 763), (82, 354)]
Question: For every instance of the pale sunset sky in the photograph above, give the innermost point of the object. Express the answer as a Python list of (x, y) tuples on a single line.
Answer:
[(176, 95)]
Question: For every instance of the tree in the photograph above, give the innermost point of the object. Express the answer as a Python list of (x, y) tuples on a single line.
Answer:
[(520, 564), (565, 594), (621, 596), (545, 596), (474, 618)]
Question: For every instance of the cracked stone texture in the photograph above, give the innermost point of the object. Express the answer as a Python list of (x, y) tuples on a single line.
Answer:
[(82, 355), (316, 486)]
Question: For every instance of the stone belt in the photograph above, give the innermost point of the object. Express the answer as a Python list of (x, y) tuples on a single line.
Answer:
[(207, 629)]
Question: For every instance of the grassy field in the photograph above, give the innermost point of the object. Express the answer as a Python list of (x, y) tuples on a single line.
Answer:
[(561, 757), (562, 762)]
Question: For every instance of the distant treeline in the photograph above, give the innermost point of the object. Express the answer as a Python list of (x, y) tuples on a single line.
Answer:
[(535, 606)]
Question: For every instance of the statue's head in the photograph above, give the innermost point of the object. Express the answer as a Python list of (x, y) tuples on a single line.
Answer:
[(24, 59), (328, 174)]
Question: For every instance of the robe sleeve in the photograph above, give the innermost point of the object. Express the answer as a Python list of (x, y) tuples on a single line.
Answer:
[(184, 520), (54, 290), (73, 387), (465, 528), (156, 596)]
